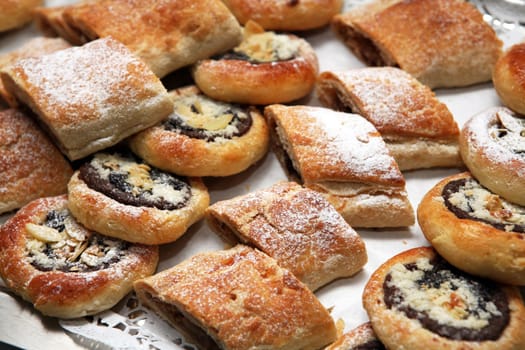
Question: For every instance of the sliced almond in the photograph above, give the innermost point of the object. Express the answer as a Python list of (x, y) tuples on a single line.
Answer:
[(45, 233)]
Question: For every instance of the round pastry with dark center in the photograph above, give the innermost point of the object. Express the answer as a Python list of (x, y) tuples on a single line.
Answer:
[(120, 196), (265, 68), (417, 300), (492, 145), (204, 137), (475, 229), (64, 269)]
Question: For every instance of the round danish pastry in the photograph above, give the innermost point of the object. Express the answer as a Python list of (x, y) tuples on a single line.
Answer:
[(120, 196), (265, 68), (62, 268), (417, 301), (508, 77), (475, 230), (285, 15), (204, 137), (492, 145)]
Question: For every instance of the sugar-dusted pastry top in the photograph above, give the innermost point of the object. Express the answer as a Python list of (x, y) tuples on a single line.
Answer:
[(359, 338), (443, 43), (334, 146), (30, 164), (242, 299)]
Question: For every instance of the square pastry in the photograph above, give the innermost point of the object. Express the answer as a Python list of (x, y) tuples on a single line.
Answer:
[(89, 97), (239, 299), (296, 226), (443, 43), (342, 156), (418, 129), (167, 35)]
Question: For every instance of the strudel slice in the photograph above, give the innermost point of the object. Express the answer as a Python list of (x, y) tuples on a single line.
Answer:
[(418, 129), (443, 43), (342, 156), (238, 299)]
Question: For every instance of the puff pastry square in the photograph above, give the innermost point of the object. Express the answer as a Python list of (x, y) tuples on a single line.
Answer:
[(89, 97), (419, 130), (296, 226), (443, 43), (342, 156), (238, 299), (167, 35)]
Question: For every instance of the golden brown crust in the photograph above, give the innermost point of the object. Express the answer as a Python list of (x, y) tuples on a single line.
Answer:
[(31, 166), (419, 131), (491, 145), (89, 97), (285, 15), (471, 245), (344, 157), (16, 13), (361, 337), (141, 224), (509, 78), (297, 227), (66, 294), (397, 331), (241, 81), (166, 35), (50, 21), (33, 48), (242, 299), (184, 155), (444, 43)]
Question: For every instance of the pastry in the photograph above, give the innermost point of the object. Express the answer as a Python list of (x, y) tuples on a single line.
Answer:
[(492, 145), (31, 166), (509, 78), (442, 43), (16, 13), (418, 129), (50, 21), (359, 338), (238, 299), (166, 35), (32, 48), (417, 301), (62, 268), (204, 137), (89, 97), (265, 68), (342, 156), (285, 15), (297, 227), (120, 196), (475, 229)]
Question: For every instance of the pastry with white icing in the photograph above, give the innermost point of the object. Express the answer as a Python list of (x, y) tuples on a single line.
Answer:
[(204, 137), (418, 129), (442, 43), (418, 301), (64, 269), (89, 97), (475, 229), (342, 156), (238, 299), (266, 67), (296, 226), (492, 145), (30, 164), (362, 337), (118, 195)]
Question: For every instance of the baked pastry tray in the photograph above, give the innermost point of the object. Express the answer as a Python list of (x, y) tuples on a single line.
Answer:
[(128, 325)]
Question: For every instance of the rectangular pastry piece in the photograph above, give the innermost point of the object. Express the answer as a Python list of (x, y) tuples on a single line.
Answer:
[(167, 35), (89, 97), (238, 299), (32, 48), (296, 226), (342, 156), (442, 43), (418, 129)]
